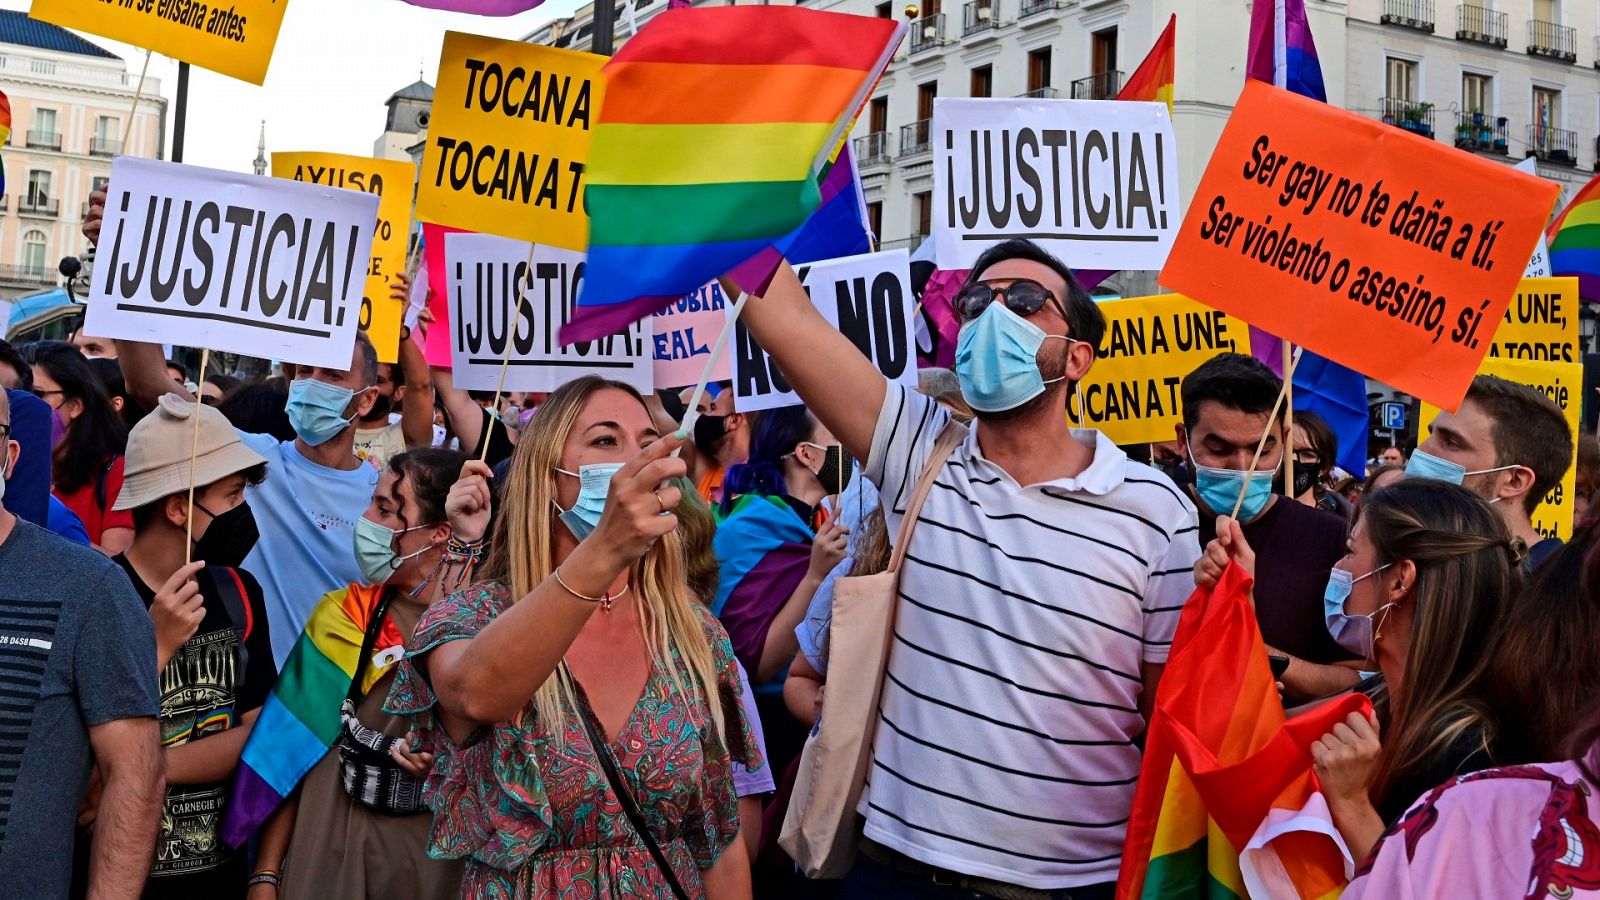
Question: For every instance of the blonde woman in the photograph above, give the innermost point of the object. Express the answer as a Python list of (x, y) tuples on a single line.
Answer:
[(583, 624)]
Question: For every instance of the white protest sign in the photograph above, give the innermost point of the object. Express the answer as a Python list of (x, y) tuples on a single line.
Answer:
[(1093, 181), (866, 297), (1539, 264), (488, 279), (242, 263)]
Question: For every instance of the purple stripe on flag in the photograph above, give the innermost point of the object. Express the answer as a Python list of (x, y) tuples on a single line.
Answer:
[(479, 7), (760, 594), (251, 803), (591, 323)]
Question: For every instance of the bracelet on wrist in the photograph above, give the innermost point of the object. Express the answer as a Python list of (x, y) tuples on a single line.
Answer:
[(263, 876), (604, 600)]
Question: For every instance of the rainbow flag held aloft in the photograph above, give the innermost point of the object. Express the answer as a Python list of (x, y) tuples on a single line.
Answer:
[(1152, 81), (1224, 773), (837, 229), (479, 7), (5, 135), (1575, 241), (709, 147), (300, 720)]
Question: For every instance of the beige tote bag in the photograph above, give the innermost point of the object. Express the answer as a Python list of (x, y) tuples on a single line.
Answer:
[(821, 828)]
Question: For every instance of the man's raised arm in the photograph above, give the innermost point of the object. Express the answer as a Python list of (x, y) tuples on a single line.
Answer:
[(144, 368), (839, 385)]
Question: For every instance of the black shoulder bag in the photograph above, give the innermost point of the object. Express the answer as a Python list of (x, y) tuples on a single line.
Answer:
[(602, 752)]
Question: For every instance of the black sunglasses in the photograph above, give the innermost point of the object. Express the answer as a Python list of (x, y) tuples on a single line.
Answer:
[(1021, 296)]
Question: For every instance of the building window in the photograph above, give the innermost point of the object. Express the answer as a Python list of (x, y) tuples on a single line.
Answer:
[(38, 188), (33, 252), (921, 214), (878, 115), (983, 81), (1400, 80), (1477, 93), (875, 220), (1546, 11), (44, 121), (1546, 108), (925, 94), (1103, 50), (883, 10), (1038, 70)]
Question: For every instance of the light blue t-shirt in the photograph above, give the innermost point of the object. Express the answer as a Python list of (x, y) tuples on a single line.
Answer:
[(307, 515), (858, 498)]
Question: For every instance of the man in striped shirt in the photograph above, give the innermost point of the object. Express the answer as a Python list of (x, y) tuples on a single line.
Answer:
[(1038, 599)]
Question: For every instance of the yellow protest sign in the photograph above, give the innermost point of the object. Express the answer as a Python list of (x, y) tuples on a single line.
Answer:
[(1563, 383), (235, 40), (1151, 343), (1541, 324), (509, 138), (391, 182)]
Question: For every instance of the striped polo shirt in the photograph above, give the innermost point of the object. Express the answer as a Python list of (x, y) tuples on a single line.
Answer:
[(1005, 741)]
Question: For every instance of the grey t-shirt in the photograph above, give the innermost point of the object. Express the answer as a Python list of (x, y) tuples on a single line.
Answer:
[(77, 649)]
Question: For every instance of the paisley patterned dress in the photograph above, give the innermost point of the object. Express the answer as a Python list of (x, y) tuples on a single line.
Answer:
[(536, 820)]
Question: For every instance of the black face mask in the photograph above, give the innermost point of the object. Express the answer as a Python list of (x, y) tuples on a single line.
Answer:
[(229, 538), (1304, 478), (1177, 470), (708, 432), (835, 471)]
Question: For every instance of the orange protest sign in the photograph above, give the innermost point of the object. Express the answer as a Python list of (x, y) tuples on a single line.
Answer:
[(1391, 254)]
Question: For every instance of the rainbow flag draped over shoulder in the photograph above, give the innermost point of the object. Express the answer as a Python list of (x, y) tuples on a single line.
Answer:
[(300, 720), (1223, 772), (764, 550), (1575, 241), (708, 148)]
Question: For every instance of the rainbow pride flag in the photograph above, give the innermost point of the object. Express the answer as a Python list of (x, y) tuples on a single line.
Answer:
[(300, 720), (1224, 774), (716, 126), (1153, 80), (1575, 241), (764, 550)]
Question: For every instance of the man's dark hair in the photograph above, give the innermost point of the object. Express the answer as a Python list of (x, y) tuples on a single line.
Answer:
[(11, 357), (1320, 437), (1234, 380), (1529, 430), (1085, 322), (369, 359)]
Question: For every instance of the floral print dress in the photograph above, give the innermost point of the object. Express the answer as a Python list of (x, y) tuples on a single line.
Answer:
[(536, 820)]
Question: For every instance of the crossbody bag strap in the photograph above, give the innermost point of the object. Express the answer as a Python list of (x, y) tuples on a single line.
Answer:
[(602, 752), (952, 436), (369, 642)]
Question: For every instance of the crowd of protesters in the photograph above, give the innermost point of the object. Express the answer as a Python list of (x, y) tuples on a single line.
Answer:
[(561, 646)]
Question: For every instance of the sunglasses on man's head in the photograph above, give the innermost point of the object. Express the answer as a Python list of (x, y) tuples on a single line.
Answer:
[(1021, 296)]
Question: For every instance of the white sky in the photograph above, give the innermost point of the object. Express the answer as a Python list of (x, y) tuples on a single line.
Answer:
[(336, 62)]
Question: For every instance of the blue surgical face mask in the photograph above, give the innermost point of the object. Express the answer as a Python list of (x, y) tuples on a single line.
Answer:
[(1219, 488), (316, 409), (1353, 633), (1425, 465), (374, 544), (594, 483), (997, 360)]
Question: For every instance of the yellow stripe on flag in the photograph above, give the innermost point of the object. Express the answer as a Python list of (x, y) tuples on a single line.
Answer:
[(704, 154)]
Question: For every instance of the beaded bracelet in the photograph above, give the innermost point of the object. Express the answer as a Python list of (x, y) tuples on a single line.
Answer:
[(264, 876)]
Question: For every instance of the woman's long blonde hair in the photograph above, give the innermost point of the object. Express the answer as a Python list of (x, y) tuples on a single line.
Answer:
[(522, 556)]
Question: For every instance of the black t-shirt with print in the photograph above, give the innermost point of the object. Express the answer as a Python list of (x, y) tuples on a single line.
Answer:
[(205, 690)]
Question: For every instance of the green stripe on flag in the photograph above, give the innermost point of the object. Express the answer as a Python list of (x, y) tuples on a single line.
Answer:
[(311, 687), (1184, 875), (686, 214), (1577, 237)]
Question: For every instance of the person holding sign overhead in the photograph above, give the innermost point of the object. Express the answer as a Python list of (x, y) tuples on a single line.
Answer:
[(1226, 404), (1510, 444), (1039, 593)]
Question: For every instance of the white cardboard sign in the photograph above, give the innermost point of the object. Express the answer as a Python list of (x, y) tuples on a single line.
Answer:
[(1093, 181), (866, 297), (488, 277), (242, 263)]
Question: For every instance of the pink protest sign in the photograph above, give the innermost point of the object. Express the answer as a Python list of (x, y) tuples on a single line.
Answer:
[(686, 335), (437, 349)]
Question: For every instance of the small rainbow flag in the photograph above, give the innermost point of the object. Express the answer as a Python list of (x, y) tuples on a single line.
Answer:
[(1575, 241), (5, 135), (300, 720), (1154, 78), (1225, 775), (716, 126)]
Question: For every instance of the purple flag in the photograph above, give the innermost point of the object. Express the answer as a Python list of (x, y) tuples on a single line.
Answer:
[(480, 7)]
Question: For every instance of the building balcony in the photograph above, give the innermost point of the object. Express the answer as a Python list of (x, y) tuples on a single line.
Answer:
[(44, 140), (29, 275), (104, 147), (1553, 145), (1479, 25), (38, 206), (916, 137), (1043, 93), (1099, 86), (1409, 115), (1032, 8), (1481, 133), (872, 149), (910, 243), (1416, 14), (927, 33), (1552, 41), (980, 17)]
